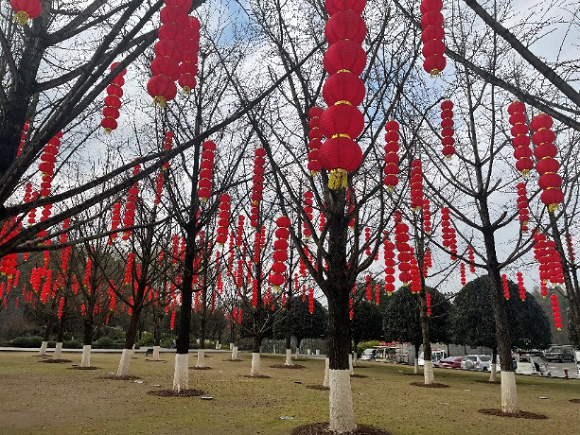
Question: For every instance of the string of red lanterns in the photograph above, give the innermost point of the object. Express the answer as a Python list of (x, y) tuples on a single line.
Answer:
[(23, 136), (521, 138), (556, 311), (416, 183), (402, 245), (389, 256), (521, 287), (343, 91), (523, 207), (308, 201), (391, 169), (206, 171), (506, 286), (258, 185), (113, 101), (447, 130), (131, 205), (189, 56), (432, 36), (280, 252), (314, 140)]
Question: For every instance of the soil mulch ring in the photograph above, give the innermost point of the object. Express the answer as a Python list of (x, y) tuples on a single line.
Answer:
[(83, 368), (322, 429), (233, 360), (171, 393), (356, 375), (121, 378), (575, 400), (520, 414), (489, 382), (155, 360), (284, 366), (56, 361), (318, 387), (200, 368), (435, 385), (258, 377)]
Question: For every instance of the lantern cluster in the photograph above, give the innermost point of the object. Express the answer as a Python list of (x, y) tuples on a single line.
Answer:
[(131, 205), (47, 163), (206, 171), (447, 130), (391, 169), (314, 140), (556, 311), (449, 238), (432, 36), (23, 136), (280, 252), (463, 274), (547, 166), (471, 258), (115, 220), (258, 185), (542, 256), (523, 206), (308, 212), (174, 36), (189, 56), (506, 286), (416, 183), (428, 302), (554, 262), (570, 245), (521, 137), (311, 300), (343, 91), (167, 142), (9, 262), (389, 256), (427, 262), (113, 101), (223, 219), (427, 216), (415, 274), (402, 245), (25, 10), (521, 287)]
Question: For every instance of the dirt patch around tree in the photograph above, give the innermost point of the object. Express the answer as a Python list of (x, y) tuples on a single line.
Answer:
[(356, 375), (489, 382), (520, 414), (322, 429), (575, 400), (318, 387), (200, 368), (284, 366), (120, 378), (182, 393), (156, 360), (258, 377), (84, 368), (56, 361), (434, 385), (233, 360)]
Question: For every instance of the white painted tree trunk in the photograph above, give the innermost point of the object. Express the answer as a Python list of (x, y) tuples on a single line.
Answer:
[(288, 357), (231, 346), (428, 371), (43, 346), (156, 353), (218, 345), (235, 353), (255, 371), (341, 409), (297, 353), (326, 383), (126, 356), (200, 358), (350, 366), (86, 357), (509, 392), (493, 373), (416, 367), (57, 351), (181, 372), (354, 359)]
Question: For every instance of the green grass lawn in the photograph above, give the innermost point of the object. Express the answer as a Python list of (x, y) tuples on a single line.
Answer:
[(38, 398)]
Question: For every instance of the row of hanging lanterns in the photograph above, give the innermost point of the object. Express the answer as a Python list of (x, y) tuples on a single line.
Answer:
[(206, 171), (113, 101), (314, 140)]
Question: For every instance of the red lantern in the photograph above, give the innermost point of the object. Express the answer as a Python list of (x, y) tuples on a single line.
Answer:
[(506, 286), (416, 183), (224, 219), (402, 245), (25, 10), (189, 57), (432, 37), (308, 213), (391, 169), (449, 237), (462, 274), (113, 101), (280, 253), (471, 258), (23, 136), (426, 216), (523, 210), (131, 205), (340, 155), (521, 140), (206, 172), (334, 6), (521, 288), (547, 166), (556, 311), (447, 130), (314, 135)]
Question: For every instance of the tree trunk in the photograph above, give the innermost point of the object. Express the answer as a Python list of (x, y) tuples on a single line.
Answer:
[(181, 372), (325, 382), (87, 341), (428, 368), (46, 337), (257, 343), (58, 349), (341, 406), (127, 354), (493, 371), (298, 341), (202, 329), (158, 317), (416, 363)]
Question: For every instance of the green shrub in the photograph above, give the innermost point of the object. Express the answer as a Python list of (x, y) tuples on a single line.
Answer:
[(72, 344), (366, 345), (104, 343), (34, 341), (51, 344), (146, 339), (119, 344), (167, 343)]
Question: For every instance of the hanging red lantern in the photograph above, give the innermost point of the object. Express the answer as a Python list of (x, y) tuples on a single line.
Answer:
[(471, 258), (506, 286), (521, 287), (23, 137), (223, 219), (206, 171), (449, 238), (131, 205), (415, 274), (402, 245), (308, 213), (280, 252), (428, 303), (389, 256), (447, 130), (25, 10), (463, 274), (47, 163), (547, 165), (315, 140), (416, 184), (189, 56), (427, 262), (391, 169), (427, 216), (113, 101), (522, 204), (521, 140), (556, 311), (432, 36), (334, 6)]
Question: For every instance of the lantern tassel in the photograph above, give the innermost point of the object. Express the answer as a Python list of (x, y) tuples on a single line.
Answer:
[(338, 179), (21, 18)]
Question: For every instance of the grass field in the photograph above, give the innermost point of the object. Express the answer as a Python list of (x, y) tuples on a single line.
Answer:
[(52, 399)]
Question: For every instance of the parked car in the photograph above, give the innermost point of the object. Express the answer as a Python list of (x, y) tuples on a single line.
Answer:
[(476, 362), (532, 363), (560, 353), (451, 362), (369, 354), (436, 356)]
